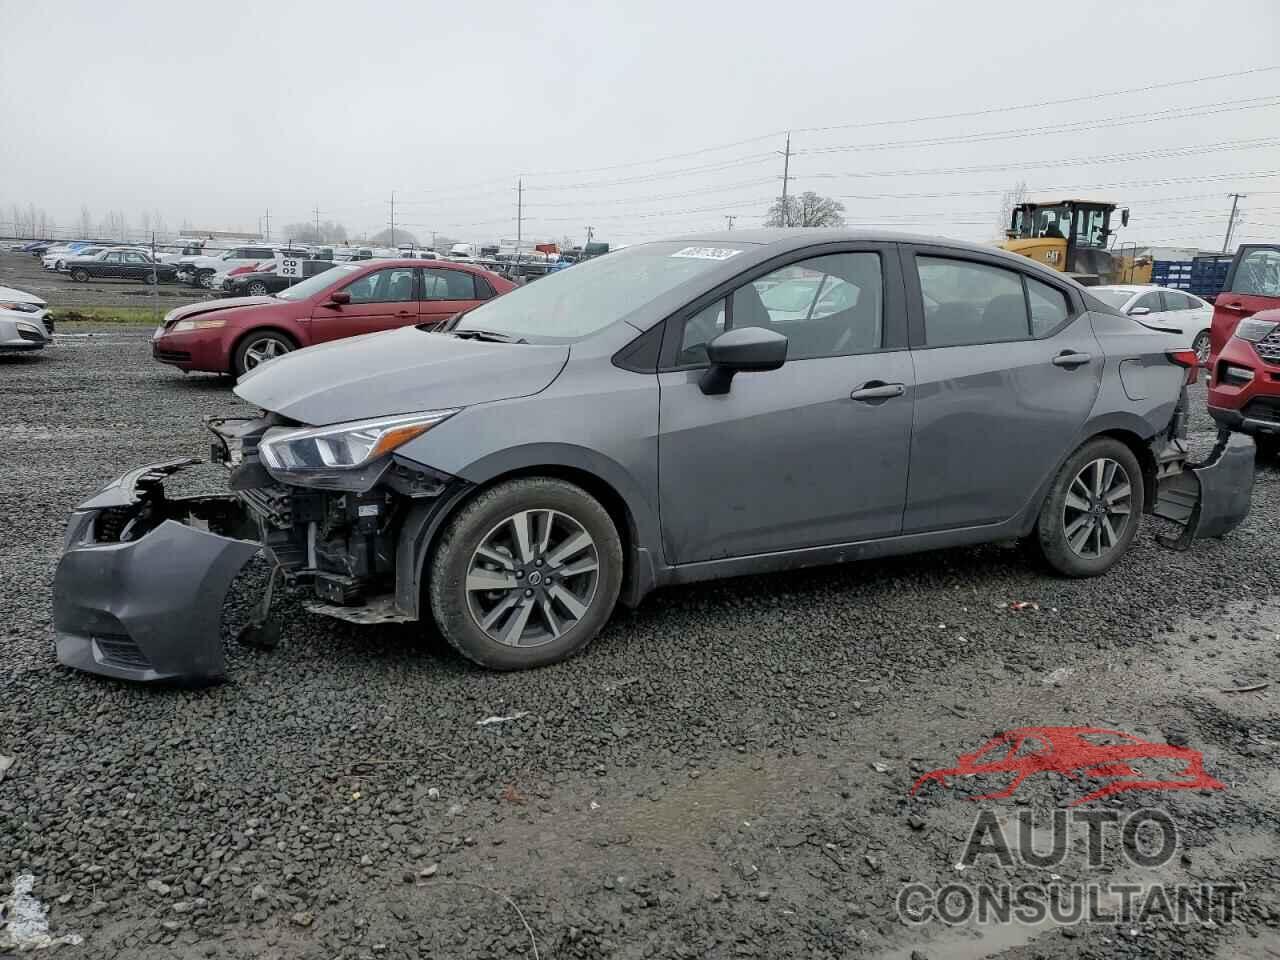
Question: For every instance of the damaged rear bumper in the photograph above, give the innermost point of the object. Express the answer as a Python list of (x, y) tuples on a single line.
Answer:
[(1210, 498), (139, 590)]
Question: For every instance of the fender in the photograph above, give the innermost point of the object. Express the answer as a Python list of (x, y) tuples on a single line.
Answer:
[(423, 523)]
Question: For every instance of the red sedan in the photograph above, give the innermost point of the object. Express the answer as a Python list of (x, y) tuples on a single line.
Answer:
[(236, 334)]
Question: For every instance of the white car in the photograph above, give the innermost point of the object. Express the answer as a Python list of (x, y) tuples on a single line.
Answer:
[(55, 256), (1164, 307), (24, 323), (60, 262), (201, 270)]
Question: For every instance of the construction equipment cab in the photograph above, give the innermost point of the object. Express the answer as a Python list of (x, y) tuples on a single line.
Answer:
[(1071, 236)]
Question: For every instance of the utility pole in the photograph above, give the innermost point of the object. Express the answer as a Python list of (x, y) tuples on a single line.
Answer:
[(1231, 221), (731, 217), (519, 223), (393, 218), (268, 222), (319, 238), (786, 174)]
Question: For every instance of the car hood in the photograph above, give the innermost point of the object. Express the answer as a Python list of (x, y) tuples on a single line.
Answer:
[(212, 306), (19, 296), (398, 371)]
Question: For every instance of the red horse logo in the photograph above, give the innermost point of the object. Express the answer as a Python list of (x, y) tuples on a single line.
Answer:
[(1077, 752)]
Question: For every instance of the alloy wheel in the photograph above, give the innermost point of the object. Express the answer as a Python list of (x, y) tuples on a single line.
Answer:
[(533, 577), (1097, 509), (1201, 347), (263, 349), (258, 288)]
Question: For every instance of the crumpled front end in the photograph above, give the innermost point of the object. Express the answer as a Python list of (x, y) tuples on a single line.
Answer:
[(139, 590)]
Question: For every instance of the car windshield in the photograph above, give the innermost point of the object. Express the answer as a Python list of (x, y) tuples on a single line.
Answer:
[(321, 281), (1112, 298), (570, 304)]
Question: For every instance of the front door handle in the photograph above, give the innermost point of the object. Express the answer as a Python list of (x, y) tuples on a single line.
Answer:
[(1238, 307), (1070, 359), (878, 390)]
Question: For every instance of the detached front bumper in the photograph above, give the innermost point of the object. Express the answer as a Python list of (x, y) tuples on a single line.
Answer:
[(139, 590)]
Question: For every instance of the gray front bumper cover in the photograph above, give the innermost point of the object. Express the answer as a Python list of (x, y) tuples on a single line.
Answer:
[(150, 608)]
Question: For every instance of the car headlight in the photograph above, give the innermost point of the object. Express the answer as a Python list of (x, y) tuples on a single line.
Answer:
[(1255, 331), (182, 326), (20, 306), (344, 446)]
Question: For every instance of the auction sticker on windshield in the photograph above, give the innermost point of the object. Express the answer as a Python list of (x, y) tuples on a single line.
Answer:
[(707, 253)]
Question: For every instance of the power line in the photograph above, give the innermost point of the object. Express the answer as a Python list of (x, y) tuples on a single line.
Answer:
[(1201, 110), (1162, 153), (1011, 108)]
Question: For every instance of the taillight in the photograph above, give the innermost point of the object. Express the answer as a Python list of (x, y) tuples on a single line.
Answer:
[(1188, 359)]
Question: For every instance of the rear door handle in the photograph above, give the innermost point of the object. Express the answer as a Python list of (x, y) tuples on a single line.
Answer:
[(1238, 307), (878, 390), (1071, 359)]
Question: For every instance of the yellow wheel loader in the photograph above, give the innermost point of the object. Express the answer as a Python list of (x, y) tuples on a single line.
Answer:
[(1071, 236)]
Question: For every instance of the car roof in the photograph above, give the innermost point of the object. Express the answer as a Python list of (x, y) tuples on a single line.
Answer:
[(775, 240)]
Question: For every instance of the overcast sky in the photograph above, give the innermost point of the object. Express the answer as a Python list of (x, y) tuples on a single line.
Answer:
[(213, 113)]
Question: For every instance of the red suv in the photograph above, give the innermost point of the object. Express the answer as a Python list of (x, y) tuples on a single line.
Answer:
[(236, 334), (1244, 383)]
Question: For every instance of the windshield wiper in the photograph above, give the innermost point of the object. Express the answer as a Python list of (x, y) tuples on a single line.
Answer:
[(490, 336)]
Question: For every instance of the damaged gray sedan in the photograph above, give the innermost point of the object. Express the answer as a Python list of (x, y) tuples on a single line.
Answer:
[(672, 412)]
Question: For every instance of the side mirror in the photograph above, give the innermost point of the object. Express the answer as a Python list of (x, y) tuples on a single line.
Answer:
[(1124, 217), (1139, 311), (339, 297), (748, 350)]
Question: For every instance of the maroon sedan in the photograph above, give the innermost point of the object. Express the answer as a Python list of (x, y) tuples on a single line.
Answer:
[(237, 334)]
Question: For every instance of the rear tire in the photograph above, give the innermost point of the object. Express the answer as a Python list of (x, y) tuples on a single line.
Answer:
[(1093, 509), (553, 586), (1268, 448), (257, 289)]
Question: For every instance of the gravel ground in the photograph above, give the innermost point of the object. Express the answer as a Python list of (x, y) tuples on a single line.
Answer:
[(724, 773), (25, 272)]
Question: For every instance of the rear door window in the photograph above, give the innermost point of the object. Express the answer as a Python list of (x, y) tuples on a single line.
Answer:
[(440, 284), (1173, 300), (1049, 307), (967, 302)]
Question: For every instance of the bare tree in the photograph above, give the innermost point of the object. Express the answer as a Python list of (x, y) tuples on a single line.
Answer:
[(806, 210), (402, 235), (329, 232), (1010, 200)]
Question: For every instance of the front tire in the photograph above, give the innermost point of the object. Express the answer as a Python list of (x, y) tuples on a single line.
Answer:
[(257, 289), (1268, 448), (258, 347), (526, 574), (80, 276), (1093, 509), (204, 279)]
